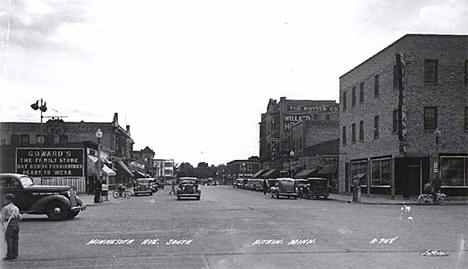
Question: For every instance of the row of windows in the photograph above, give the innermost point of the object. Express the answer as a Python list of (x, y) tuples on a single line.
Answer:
[(361, 131), (24, 139), (430, 123), (431, 75), (454, 171)]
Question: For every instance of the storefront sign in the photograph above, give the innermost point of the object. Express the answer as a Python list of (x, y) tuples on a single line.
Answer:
[(299, 108), (55, 162)]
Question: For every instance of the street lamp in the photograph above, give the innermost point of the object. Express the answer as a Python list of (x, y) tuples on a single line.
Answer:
[(437, 134), (97, 189), (42, 107), (291, 156)]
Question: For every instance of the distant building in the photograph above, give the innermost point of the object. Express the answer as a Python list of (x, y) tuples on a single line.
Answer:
[(145, 157), (164, 168), (58, 137), (394, 104), (243, 168), (290, 126)]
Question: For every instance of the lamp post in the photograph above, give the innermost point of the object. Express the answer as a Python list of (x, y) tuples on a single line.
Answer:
[(243, 170), (98, 186), (291, 156), (435, 187), (42, 107)]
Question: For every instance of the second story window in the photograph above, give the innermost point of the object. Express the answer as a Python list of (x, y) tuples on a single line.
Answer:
[(395, 121), (39, 139), (466, 118), (343, 133), (353, 97), (344, 101), (327, 117), (361, 92), (430, 70), (24, 139), (430, 118), (376, 127), (361, 131), (353, 133), (376, 86)]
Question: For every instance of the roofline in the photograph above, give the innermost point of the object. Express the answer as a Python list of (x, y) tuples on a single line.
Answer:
[(396, 41)]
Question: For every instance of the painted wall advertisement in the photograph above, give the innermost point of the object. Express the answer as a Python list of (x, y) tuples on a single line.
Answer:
[(56, 162)]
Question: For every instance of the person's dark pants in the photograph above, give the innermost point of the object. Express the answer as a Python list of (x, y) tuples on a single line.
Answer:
[(11, 238), (264, 191)]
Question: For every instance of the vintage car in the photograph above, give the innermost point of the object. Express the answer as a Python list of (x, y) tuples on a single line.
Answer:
[(143, 186), (58, 202), (301, 184), (283, 187), (188, 187), (316, 187)]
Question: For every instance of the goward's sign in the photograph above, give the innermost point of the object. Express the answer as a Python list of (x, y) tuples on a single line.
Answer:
[(55, 162)]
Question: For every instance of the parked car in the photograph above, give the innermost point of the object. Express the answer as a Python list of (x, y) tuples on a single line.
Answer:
[(188, 187), (316, 187), (301, 184), (143, 186), (284, 187), (58, 202)]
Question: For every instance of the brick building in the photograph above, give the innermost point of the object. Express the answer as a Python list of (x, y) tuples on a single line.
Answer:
[(145, 157), (57, 136), (394, 104), (275, 126), (243, 168)]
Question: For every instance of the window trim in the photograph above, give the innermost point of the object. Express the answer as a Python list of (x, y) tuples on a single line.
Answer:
[(353, 133), (353, 97), (361, 93), (380, 160), (426, 71), (376, 86), (376, 127), (425, 124), (343, 135), (361, 131)]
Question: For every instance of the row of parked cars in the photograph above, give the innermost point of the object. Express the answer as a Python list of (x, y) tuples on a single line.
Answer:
[(287, 187)]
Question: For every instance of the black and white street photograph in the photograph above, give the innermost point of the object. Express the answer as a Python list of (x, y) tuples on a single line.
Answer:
[(234, 134)]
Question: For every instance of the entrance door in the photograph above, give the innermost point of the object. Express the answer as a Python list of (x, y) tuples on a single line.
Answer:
[(414, 179)]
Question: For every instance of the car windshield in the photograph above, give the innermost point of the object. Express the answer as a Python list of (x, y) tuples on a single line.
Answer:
[(26, 181), (188, 182)]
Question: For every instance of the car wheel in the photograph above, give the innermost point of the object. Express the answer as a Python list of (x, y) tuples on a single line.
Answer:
[(57, 211)]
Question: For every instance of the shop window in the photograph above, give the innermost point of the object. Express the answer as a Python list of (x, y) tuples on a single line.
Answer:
[(376, 86), (359, 171), (430, 118), (361, 131), (430, 70), (24, 139), (343, 133), (353, 133), (381, 172), (395, 121), (361, 92), (454, 171), (376, 127), (353, 97)]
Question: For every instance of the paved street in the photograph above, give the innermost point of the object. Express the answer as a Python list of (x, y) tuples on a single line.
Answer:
[(233, 228)]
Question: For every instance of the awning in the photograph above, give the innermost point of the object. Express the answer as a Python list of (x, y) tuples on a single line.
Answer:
[(306, 173), (269, 173), (259, 173), (139, 174), (125, 168), (108, 171), (329, 169)]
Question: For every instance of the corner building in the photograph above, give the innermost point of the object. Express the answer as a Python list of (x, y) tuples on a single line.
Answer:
[(394, 104)]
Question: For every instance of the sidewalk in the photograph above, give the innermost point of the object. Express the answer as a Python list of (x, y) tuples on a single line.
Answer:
[(88, 199), (387, 200)]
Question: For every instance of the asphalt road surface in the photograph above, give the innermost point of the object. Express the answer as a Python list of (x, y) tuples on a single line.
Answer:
[(232, 228)]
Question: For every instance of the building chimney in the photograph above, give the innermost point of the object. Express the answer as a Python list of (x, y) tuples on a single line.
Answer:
[(282, 98), (115, 121), (127, 128)]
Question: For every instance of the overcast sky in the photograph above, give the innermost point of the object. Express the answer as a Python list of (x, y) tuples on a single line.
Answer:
[(193, 77)]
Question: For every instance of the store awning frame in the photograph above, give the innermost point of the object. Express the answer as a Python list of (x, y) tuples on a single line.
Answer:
[(306, 173), (259, 173), (330, 169), (125, 168), (269, 173)]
